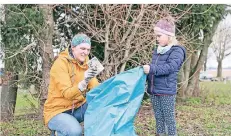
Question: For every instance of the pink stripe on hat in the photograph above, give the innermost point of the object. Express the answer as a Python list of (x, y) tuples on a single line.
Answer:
[(166, 27)]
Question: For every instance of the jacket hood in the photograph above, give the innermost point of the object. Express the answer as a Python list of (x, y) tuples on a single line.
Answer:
[(175, 46), (183, 48)]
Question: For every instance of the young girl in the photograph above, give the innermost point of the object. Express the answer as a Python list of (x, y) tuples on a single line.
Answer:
[(162, 76)]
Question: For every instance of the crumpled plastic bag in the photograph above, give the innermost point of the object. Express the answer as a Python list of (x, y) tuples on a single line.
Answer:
[(112, 105)]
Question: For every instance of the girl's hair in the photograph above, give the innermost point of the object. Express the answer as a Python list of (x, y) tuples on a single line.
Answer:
[(172, 40)]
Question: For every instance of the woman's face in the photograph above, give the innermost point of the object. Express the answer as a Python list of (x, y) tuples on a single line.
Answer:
[(162, 39), (81, 51)]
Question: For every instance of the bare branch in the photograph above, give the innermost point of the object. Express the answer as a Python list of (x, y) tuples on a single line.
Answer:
[(27, 48)]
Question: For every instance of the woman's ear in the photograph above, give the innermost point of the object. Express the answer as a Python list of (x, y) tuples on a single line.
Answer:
[(72, 48)]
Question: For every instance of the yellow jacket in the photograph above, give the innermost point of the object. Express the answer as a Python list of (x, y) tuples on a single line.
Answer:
[(65, 74)]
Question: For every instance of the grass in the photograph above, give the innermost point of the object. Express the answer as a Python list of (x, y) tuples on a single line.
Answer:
[(25, 122), (25, 103), (24, 127), (217, 93), (203, 120), (206, 115)]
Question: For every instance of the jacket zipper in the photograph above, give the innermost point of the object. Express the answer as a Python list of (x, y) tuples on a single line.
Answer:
[(152, 86)]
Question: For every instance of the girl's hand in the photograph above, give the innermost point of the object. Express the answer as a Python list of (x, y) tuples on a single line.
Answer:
[(146, 69)]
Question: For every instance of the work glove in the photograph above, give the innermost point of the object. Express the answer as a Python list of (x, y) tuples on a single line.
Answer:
[(94, 68), (82, 85), (89, 74)]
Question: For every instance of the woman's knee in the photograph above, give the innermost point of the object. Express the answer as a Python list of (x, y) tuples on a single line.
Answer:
[(65, 124), (73, 131)]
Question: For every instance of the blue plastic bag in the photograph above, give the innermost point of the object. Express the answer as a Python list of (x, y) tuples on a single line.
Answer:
[(112, 105)]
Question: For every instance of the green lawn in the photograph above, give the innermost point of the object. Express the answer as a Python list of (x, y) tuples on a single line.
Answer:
[(209, 114), (25, 122), (25, 103), (216, 92)]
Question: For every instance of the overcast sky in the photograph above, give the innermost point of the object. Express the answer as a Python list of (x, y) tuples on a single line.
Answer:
[(211, 62)]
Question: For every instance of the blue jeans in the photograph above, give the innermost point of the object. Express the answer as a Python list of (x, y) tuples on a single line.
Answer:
[(68, 123), (164, 110)]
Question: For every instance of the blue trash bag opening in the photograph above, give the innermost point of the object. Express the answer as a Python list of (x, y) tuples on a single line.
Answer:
[(112, 105)]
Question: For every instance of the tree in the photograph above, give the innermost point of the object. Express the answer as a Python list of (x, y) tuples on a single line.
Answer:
[(124, 32), (45, 38), (9, 90), (122, 37), (222, 43), (2, 17), (28, 34), (8, 82), (201, 20)]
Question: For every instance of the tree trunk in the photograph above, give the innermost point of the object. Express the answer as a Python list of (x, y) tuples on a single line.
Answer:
[(46, 51), (184, 81), (2, 17), (8, 97), (205, 67), (193, 87), (192, 81), (219, 69), (187, 73), (107, 68), (196, 66), (181, 79), (196, 91)]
